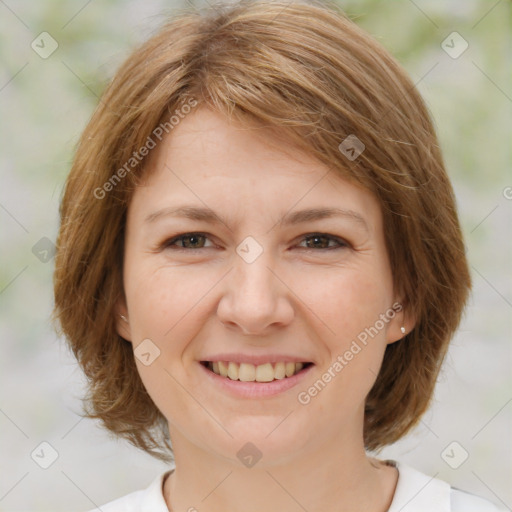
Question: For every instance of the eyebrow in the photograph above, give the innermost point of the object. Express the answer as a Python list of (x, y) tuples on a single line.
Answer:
[(297, 217)]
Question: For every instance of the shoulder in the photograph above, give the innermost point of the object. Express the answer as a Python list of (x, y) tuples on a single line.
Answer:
[(462, 501), (418, 492), (129, 503), (150, 499)]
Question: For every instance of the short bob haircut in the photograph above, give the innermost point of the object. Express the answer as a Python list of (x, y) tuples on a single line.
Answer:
[(307, 73)]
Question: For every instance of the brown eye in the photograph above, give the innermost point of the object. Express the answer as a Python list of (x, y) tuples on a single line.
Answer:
[(188, 241), (323, 241), (193, 241)]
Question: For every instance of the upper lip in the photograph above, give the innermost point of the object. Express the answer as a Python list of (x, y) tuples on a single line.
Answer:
[(256, 359)]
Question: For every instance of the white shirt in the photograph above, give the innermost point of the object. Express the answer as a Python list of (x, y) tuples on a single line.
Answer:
[(415, 492)]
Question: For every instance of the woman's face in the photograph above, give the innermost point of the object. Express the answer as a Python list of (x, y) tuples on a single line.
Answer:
[(240, 254)]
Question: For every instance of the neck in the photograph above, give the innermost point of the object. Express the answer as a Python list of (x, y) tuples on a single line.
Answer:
[(327, 478)]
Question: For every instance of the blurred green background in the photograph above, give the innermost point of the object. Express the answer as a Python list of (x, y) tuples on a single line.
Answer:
[(44, 105)]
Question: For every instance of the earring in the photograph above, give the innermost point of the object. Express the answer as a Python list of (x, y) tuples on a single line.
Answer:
[(402, 329), (124, 318)]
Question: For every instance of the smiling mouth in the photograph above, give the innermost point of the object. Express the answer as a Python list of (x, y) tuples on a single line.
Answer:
[(247, 372)]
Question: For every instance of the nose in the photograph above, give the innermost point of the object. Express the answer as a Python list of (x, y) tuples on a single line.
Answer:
[(255, 299)]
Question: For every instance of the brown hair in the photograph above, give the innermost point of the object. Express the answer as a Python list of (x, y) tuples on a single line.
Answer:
[(308, 71)]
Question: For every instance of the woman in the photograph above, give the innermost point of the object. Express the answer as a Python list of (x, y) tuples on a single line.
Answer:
[(260, 264)]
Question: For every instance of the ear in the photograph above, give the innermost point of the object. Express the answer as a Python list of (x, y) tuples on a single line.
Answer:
[(122, 325), (402, 317)]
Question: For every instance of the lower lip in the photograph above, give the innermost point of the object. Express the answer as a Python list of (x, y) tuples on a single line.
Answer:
[(241, 389)]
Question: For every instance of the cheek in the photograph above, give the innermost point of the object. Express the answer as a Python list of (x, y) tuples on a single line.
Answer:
[(346, 302), (349, 304), (166, 305)]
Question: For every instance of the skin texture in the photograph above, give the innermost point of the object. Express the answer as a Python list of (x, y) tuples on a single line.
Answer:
[(297, 298)]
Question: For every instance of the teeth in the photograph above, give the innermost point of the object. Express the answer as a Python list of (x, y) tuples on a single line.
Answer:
[(223, 369), (289, 369), (247, 372), (233, 371), (264, 373), (279, 371)]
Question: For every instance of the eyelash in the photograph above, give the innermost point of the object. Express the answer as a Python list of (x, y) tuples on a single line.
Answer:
[(168, 244)]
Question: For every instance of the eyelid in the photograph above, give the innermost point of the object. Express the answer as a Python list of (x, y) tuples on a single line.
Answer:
[(168, 242), (342, 243)]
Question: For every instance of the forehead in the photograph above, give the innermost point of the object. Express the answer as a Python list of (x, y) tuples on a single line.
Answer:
[(208, 135), (212, 161)]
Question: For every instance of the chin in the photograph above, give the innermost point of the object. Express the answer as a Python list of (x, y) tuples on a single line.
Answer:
[(272, 439)]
